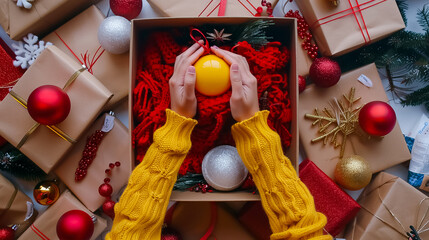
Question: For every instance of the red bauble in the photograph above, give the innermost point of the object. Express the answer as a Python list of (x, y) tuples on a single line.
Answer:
[(301, 83), (109, 208), (169, 233), (325, 72), (7, 233), (75, 224), (128, 9), (377, 118), (48, 105), (105, 190)]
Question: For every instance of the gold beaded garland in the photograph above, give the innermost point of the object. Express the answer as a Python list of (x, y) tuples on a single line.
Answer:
[(353, 173)]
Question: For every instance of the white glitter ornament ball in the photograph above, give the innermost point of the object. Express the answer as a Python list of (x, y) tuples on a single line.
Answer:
[(114, 34), (223, 168)]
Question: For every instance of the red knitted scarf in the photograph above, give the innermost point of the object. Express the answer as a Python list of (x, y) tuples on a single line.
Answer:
[(151, 97)]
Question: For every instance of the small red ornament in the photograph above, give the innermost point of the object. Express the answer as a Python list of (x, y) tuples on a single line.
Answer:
[(105, 190), (48, 105), (75, 224), (325, 72), (7, 233), (377, 118), (169, 233), (128, 9), (109, 208), (301, 83)]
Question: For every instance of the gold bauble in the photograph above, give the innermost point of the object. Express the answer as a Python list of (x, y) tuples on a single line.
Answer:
[(212, 74), (353, 173), (46, 192)]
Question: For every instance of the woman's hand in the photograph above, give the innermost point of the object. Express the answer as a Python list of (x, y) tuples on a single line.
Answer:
[(244, 99), (182, 83)]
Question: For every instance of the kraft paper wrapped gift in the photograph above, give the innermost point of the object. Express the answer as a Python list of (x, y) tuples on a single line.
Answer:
[(389, 207), (79, 37), (87, 96), (42, 17), (45, 226), (16, 208), (353, 24), (193, 219), (114, 147), (380, 153), (208, 8)]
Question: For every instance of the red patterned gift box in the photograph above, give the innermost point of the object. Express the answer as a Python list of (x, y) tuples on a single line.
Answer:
[(329, 199)]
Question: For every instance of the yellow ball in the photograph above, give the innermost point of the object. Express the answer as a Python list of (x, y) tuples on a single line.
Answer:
[(212, 75), (353, 173)]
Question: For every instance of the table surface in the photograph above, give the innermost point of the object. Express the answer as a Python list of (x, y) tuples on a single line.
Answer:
[(406, 116)]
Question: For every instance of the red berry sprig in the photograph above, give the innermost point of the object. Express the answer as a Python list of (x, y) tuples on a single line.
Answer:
[(269, 6), (304, 33), (201, 187), (89, 154), (106, 191)]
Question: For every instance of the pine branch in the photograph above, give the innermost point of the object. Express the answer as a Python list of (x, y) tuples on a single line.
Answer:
[(423, 18), (403, 6), (17, 164), (421, 96)]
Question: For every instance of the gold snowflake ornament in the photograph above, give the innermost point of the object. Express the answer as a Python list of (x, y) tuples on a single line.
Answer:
[(219, 36), (341, 119)]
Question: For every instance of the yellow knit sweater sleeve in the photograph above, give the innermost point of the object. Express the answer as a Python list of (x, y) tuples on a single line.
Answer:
[(286, 200), (139, 214)]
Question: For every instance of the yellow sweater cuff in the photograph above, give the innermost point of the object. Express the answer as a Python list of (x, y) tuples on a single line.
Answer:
[(286, 200)]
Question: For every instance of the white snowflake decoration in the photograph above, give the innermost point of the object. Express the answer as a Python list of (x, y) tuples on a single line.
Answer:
[(26, 52), (24, 3)]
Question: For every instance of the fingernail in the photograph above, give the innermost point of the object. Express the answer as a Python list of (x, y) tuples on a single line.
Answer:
[(215, 47), (234, 67), (191, 70)]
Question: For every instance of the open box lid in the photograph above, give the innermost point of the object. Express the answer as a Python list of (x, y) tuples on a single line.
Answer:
[(289, 24)]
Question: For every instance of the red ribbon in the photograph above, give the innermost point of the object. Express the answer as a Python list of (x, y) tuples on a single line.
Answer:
[(86, 60), (213, 220), (222, 7), (353, 10), (206, 43), (38, 232)]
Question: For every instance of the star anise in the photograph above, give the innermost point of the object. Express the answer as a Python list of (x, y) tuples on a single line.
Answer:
[(219, 36)]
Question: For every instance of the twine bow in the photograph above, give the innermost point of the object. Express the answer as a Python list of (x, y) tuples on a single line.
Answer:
[(410, 235), (53, 128)]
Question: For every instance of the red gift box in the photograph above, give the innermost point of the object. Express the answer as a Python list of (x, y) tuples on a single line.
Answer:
[(329, 199)]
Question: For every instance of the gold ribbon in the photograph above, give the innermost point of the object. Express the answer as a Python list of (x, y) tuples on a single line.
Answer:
[(9, 204), (419, 224), (53, 128)]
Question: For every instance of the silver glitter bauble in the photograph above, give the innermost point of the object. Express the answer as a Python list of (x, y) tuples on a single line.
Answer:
[(114, 34), (223, 168)]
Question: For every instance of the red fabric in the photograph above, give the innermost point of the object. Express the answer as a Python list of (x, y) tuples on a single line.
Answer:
[(253, 217), (9, 74), (151, 97), (330, 199)]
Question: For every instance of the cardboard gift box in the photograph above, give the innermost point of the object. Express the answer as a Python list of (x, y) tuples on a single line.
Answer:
[(141, 28), (208, 8), (87, 96), (45, 226), (16, 208), (114, 147), (350, 25), (78, 39), (389, 207), (338, 207), (40, 18), (193, 219), (381, 153)]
